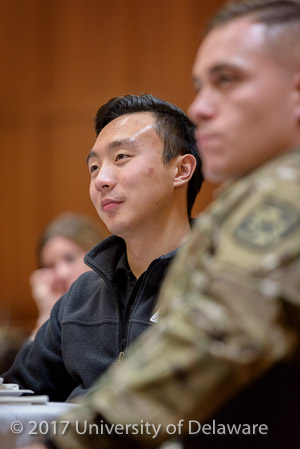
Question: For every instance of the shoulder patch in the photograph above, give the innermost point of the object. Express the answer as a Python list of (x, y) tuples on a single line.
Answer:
[(267, 224)]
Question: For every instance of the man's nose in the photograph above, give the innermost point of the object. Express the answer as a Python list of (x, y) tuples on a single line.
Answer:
[(105, 179), (202, 108)]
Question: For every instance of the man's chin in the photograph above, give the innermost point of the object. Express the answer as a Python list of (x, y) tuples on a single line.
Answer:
[(214, 176), (118, 229)]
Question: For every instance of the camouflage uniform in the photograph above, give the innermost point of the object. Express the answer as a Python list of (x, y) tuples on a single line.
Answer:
[(229, 311)]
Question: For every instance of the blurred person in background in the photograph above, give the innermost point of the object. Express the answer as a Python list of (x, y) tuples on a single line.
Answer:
[(60, 253)]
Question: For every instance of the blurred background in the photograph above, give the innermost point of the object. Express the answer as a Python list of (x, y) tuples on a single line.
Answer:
[(60, 60)]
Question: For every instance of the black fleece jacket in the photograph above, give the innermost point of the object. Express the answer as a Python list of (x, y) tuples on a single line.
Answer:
[(85, 333)]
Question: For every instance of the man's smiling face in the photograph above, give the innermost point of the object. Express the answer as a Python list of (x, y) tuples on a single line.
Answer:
[(131, 187)]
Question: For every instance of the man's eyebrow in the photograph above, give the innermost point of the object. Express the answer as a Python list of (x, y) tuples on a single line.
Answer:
[(222, 66), (127, 142), (90, 156), (214, 70)]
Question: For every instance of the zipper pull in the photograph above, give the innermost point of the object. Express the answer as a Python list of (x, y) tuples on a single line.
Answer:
[(120, 358)]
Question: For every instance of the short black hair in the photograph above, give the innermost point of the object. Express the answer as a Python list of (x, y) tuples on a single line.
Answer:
[(269, 12), (172, 125)]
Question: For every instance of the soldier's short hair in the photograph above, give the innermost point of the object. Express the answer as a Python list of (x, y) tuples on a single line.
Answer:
[(269, 12), (282, 21)]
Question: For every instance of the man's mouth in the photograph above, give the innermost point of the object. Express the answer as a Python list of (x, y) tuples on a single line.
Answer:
[(109, 204)]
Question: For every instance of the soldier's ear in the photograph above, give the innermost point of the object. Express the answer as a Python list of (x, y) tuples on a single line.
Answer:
[(185, 167)]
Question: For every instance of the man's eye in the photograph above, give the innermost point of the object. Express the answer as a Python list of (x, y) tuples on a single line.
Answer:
[(121, 156), (226, 79), (197, 86), (93, 168)]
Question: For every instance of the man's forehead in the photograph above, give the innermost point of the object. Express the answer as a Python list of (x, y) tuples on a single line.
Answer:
[(127, 130), (129, 126), (230, 42)]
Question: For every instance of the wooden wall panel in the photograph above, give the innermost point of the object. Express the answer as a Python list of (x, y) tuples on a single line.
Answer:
[(60, 60)]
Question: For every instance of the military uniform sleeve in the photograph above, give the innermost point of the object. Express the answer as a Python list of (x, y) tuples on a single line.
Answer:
[(229, 311), (39, 364)]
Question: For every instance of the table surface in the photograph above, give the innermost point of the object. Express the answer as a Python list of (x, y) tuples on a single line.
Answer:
[(22, 424)]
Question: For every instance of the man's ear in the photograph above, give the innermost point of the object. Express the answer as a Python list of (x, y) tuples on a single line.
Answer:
[(185, 167)]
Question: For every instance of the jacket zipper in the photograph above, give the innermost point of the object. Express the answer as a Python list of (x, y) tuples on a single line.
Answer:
[(120, 358), (126, 317), (127, 314), (122, 343)]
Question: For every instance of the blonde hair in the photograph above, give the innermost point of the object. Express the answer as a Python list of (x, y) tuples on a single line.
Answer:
[(73, 226)]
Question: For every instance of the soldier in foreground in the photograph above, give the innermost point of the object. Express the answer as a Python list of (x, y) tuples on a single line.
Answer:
[(225, 348)]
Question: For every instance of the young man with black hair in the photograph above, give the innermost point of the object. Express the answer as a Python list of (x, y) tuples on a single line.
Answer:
[(145, 175)]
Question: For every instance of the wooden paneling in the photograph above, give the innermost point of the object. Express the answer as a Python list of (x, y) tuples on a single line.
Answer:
[(60, 60)]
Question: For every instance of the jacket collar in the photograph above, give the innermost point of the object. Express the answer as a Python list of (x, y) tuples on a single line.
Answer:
[(104, 257)]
